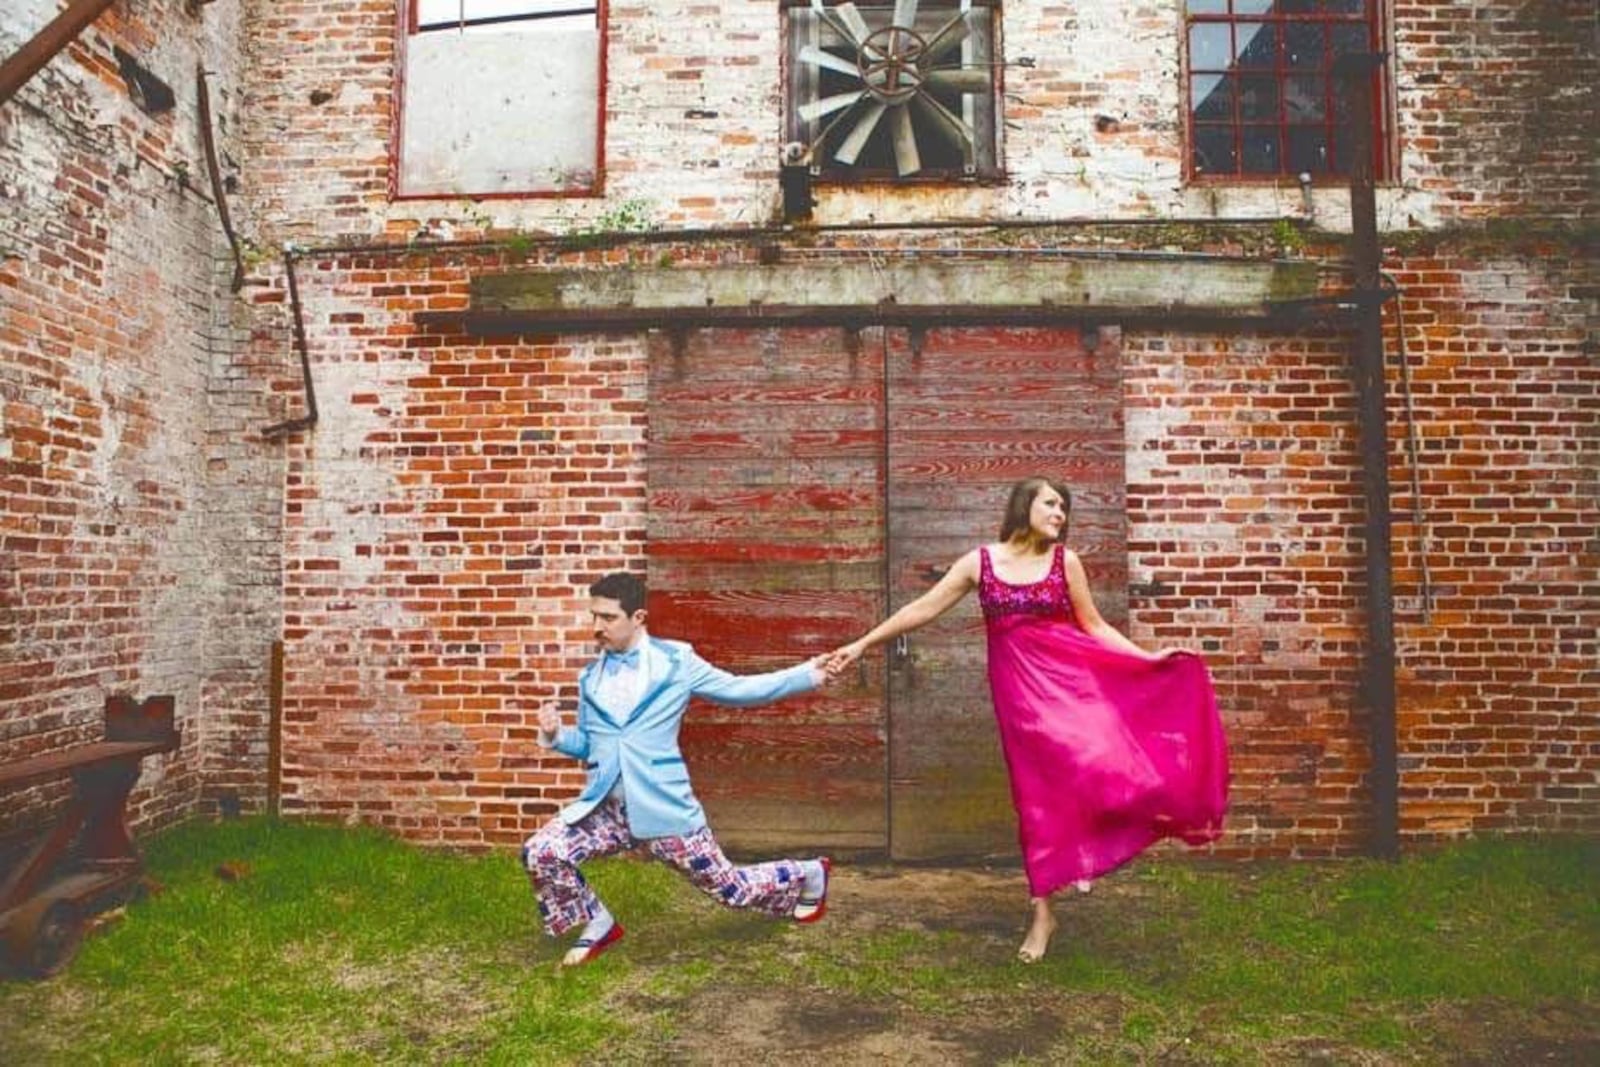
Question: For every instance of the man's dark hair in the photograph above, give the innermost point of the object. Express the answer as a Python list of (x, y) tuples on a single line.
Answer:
[(625, 589)]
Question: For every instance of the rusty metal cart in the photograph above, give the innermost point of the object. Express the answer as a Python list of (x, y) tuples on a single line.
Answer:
[(86, 860)]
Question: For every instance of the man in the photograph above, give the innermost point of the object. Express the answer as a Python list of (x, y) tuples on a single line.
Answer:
[(630, 703)]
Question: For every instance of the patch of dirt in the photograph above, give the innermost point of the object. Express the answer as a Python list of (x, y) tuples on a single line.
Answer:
[(975, 919), (1500, 1033), (749, 1025), (721, 1025)]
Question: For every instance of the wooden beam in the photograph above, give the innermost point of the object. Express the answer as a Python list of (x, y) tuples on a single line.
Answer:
[(62, 31)]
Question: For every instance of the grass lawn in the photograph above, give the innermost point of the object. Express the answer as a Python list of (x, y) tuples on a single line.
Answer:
[(349, 946)]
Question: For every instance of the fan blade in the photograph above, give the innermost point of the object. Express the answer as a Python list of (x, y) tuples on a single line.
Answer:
[(852, 18), (906, 159), (955, 131), (818, 58), (948, 36), (827, 105), (853, 144), (961, 80), (827, 131), (854, 34), (905, 14)]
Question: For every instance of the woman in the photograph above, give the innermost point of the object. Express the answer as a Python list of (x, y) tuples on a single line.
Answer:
[(1110, 748)]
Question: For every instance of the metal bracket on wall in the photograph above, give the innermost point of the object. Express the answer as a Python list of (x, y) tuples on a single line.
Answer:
[(309, 419)]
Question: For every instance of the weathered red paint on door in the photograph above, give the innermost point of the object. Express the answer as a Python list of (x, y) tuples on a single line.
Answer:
[(971, 411), (778, 462), (765, 546)]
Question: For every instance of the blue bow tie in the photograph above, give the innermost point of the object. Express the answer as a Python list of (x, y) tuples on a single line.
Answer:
[(615, 661)]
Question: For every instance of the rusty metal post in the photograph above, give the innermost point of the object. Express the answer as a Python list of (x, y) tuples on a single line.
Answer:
[(60, 32), (1378, 672), (309, 419), (275, 730)]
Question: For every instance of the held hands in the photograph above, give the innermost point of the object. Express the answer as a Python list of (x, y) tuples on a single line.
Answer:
[(840, 659), (827, 667), (820, 673)]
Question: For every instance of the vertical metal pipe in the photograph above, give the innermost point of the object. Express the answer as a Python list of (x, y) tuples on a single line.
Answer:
[(1378, 670), (275, 729)]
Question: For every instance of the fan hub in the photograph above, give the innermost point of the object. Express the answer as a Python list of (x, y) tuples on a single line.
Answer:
[(890, 63)]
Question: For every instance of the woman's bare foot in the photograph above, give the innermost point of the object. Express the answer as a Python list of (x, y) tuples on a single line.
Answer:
[(1037, 943)]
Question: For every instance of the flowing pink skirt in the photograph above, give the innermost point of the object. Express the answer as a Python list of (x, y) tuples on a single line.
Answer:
[(1109, 751)]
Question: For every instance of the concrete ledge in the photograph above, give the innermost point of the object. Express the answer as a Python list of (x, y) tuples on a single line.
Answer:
[(1071, 285)]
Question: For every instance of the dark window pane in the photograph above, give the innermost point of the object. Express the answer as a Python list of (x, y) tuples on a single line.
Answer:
[(1341, 102), (1208, 7), (1339, 155), (1297, 7), (1258, 44), (1303, 98), (1308, 150), (1209, 47), (1303, 44), (1258, 98), (1213, 150), (1346, 39), (1211, 97), (1344, 7), (1260, 150)]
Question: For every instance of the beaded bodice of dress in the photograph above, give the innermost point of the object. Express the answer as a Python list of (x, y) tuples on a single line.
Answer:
[(1047, 596)]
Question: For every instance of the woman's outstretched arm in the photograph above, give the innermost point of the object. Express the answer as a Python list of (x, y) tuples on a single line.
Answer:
[(946, 593), (1088, 615)]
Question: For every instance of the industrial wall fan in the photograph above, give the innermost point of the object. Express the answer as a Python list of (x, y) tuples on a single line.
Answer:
[(894, 91)]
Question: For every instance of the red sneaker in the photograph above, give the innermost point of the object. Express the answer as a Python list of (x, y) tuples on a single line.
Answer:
[(587, 948), (808, 910)]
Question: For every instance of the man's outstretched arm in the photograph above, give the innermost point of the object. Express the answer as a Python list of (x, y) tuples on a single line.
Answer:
[(742, 690)]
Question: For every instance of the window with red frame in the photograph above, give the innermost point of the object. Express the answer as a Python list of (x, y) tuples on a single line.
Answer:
[(1262, 96), (500, 98)]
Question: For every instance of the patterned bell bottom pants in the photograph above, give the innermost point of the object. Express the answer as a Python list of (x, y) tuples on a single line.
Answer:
[(552, 856)]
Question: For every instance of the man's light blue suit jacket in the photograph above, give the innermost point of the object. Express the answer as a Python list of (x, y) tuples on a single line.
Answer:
[(642, 748)]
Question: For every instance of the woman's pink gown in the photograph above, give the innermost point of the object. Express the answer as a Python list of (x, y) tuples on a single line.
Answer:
[(1109, 750)]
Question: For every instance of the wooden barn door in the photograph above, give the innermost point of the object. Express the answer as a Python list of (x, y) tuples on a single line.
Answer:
[(793, 499), (766, 546), (970, 411)]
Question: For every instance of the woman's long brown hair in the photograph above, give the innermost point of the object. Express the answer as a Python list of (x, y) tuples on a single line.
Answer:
[(1020, 503)]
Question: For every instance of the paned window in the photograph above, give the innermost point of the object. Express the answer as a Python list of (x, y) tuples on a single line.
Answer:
[(1263, 99), (500, 98), (500, 16)]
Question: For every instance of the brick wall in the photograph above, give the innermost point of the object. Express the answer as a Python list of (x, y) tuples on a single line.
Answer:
[(1495, 113), (1243, 538), (1246, 533), (1498, 106), (443, 523), (423, 550), (441, 528), (108, 283), (1499, 695)]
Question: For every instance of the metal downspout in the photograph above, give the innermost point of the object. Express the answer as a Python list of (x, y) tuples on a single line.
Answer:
[(1378, 670)]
